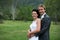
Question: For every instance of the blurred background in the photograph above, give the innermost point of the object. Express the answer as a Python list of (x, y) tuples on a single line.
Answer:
[(15, 18), (18, 9)]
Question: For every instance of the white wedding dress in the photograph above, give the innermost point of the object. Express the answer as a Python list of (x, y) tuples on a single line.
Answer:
[(33, 27)]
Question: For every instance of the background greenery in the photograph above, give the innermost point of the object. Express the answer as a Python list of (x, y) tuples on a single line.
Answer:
[(21, 9), (17, 30)]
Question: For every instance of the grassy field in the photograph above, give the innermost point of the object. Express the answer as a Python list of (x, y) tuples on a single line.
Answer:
[(17, 30)]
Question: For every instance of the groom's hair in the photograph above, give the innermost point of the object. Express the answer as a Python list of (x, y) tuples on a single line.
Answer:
[(42, 5)]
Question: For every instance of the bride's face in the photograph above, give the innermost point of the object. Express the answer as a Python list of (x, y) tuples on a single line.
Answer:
[(34, 15)]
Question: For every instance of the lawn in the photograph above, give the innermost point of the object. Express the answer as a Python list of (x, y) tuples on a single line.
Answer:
[(17, 30)]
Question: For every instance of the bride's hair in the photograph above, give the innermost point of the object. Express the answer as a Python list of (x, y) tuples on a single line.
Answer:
[(36, 10)]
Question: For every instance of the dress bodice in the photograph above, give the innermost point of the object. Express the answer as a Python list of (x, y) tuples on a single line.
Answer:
[(33, 26)]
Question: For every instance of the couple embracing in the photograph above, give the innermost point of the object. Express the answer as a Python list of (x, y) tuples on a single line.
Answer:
[(39, 28)]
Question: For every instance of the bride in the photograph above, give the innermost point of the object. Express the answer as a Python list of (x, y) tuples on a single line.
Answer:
[(35, 25)]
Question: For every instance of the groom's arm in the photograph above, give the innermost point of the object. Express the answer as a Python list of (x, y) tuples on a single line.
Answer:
[(45, 26)]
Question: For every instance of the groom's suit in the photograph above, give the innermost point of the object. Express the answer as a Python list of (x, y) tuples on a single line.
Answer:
[(45, 26)]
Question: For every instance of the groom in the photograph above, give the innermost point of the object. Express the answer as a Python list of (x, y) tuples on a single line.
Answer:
[(45, 24)]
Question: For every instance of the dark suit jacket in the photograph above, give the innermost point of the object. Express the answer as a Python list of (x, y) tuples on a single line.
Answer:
[(45, 26)]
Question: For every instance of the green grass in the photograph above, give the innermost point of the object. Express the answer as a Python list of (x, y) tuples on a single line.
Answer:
[(55, 32), (17, 30)]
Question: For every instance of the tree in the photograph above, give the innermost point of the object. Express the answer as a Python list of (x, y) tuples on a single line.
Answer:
[(53, 9)]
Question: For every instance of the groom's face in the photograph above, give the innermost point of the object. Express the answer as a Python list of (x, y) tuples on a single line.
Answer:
[(41, 10)]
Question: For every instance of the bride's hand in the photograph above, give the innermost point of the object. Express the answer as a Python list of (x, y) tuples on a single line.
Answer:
[(29, 35), (32, 35)]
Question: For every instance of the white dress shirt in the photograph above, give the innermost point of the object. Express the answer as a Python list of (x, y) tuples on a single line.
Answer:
[(42, 16)]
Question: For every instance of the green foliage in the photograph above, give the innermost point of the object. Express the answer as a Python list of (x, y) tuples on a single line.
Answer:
[(23, 8), (24, 13), (53, 9)]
